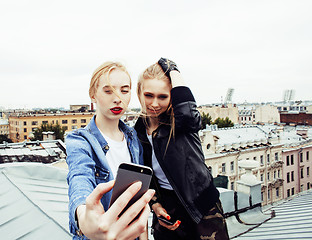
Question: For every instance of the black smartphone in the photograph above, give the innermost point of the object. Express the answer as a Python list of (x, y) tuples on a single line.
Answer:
[(168, 222), (127, 174)]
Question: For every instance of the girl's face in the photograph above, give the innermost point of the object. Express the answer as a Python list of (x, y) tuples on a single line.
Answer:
[(156, 96), (113, 104)]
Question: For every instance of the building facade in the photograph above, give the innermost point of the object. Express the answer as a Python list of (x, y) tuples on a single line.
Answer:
[(22, 125), (224, 148), (4, 127)]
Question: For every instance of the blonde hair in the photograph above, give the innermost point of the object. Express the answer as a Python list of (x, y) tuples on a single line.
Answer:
[(154, 72), (105, 69)]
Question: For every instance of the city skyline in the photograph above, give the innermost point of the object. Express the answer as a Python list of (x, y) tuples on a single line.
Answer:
[(49, 50)]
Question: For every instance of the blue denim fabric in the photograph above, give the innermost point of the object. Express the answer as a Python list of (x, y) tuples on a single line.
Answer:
[(86, 149)]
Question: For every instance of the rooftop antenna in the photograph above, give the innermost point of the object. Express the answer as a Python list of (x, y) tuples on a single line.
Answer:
[(229, 94)]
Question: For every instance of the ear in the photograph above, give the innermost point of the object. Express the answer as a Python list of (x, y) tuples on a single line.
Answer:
[(93, 100)]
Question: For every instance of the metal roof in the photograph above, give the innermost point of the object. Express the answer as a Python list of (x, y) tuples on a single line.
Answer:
[(293, 220), (33, 202)]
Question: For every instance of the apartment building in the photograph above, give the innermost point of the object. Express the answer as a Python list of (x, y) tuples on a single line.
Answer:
[(224, 148), (4, 127), (297, 163), (253, 114), (22, 125)]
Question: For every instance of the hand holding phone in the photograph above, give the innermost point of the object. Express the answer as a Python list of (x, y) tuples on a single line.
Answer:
[(163, 219), (127, 174)]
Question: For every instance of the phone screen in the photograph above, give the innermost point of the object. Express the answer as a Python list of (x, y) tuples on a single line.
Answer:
[(127, 174)]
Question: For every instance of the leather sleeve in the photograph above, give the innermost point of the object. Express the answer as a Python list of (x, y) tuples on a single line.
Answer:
[(187, 117)]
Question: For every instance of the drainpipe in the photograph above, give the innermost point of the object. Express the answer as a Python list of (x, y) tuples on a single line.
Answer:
[(299, 170)]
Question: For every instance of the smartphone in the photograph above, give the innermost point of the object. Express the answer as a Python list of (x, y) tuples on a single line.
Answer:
[(168, 222), (127, 174)]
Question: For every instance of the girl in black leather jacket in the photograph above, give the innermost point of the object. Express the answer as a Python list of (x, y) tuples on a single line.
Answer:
[(168, 130)]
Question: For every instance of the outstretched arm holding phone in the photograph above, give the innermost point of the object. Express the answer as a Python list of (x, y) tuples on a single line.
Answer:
[(95, 223)]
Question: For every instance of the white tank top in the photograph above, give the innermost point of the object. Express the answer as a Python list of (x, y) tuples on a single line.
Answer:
[(159, 173)]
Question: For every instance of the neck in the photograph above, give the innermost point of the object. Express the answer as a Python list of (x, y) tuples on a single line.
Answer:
[(153, 124), (109, 127)]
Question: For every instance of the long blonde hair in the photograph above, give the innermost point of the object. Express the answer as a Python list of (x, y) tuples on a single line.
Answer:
[(154, 72)]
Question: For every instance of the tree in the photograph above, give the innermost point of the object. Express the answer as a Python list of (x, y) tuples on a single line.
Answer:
[(206, 119), (57, 129), (223, 123), (4, 138)]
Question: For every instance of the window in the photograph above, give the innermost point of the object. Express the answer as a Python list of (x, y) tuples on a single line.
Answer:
[(277, 192), (292, 159), (232, 166), (255, 158), (308, 171), (274, 175), (300, 157), (292, 191), (308, 186), (25, 123), (65, 128), (287, 160), (292, 176), (268, 158), (279, 173), (25, 137), (301, 188), (288, 177), (261, 196), (288, 192), (269, 194), (64, 121), (74, 127), (74, 120), (261, 177), (261, 159), (83, 120), (25, 129), (34, 123), (307, 155), (276, 157), (44, 122), (301, 172), (208, 146), (223, 167), (232, 185), (268, 176), (83, 126)]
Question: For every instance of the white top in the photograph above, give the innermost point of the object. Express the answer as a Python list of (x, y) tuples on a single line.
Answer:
[(117, 153), (159, 173)]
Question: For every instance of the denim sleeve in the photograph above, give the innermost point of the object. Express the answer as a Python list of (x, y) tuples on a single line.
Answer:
[(80, 178)]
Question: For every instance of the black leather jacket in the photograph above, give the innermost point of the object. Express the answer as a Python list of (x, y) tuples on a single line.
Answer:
[(183, 160)]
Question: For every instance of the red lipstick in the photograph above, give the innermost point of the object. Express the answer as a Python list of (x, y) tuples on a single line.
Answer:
[(116, 110)]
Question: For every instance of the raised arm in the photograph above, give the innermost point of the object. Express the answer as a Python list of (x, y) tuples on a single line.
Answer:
[(187, 117)]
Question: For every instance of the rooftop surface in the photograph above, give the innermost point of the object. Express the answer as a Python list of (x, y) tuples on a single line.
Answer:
[(292, 220), (33, 202)]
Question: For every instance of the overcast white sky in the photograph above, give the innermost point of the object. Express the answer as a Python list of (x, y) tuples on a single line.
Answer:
[(49, 49)]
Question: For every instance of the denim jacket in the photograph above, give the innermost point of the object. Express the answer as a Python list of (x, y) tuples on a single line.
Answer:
[(86, 149)]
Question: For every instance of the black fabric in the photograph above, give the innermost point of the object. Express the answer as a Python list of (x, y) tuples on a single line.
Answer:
[(181, 94), (212, 226)]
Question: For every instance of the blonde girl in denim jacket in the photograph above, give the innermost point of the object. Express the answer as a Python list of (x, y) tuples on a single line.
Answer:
[(93, 156)]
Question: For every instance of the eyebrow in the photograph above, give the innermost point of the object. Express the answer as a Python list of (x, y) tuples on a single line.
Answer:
[(109, 86)]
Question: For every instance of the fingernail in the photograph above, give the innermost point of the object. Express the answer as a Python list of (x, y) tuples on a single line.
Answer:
[(179, 222), (168, 217)]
